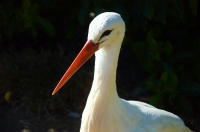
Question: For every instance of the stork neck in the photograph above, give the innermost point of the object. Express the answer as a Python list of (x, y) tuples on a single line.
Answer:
[(105, 70), (103, 98)]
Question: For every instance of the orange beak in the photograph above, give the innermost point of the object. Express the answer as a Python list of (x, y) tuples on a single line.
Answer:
[(86, 52)]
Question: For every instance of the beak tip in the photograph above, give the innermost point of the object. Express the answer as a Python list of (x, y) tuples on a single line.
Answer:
[(54, 92)]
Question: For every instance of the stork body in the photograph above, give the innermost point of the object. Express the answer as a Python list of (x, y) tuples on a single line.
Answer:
[(104, 110)]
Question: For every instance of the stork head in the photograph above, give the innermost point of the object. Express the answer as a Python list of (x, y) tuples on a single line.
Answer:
[(105, 29)]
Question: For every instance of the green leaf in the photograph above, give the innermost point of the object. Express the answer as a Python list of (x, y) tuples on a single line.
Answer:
[(153, 46), (156, 56), (179, 7), (145, 8), (33, 8), (150, 34), (140, 21), (11, 29), (149, 66), (85, 3), (46, 26), (33, 31), (27, 22), (26, 4), (172, 96), (151, 86), (95, 2), (180, 68), (193, 6), (138, 48), (71, 31), (169, 79), (156, 98), (152, 76), (168, 48), (166, 66), (82, 16), (162, 11)]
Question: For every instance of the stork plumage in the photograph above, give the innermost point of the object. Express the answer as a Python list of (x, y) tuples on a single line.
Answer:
[(104, 110)]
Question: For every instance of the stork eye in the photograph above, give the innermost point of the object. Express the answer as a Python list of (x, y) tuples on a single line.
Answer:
[(106, 33)]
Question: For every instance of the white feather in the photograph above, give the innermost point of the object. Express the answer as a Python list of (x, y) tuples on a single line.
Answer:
[(105, 111)]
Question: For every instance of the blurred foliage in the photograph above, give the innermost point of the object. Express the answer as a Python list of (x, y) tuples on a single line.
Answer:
[(163, 35), (28, 79), (23, 18)]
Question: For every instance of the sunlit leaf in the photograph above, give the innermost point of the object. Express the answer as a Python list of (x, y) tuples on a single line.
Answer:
[(7, 96)]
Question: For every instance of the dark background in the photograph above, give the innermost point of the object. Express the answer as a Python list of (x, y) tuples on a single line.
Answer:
[(159, 61)]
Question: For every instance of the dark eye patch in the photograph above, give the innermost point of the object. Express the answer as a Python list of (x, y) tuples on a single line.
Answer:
[(106, 33)]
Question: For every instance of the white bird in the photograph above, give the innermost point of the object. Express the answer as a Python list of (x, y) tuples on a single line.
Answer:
[(104, 110)]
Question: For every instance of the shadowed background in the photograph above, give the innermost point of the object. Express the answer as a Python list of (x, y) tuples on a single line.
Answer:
[(159, 61)]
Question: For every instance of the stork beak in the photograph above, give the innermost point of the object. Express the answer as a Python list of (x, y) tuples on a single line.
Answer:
[(86, 52)]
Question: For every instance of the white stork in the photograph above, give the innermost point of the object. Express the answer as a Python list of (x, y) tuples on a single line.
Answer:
[(104, 110)]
